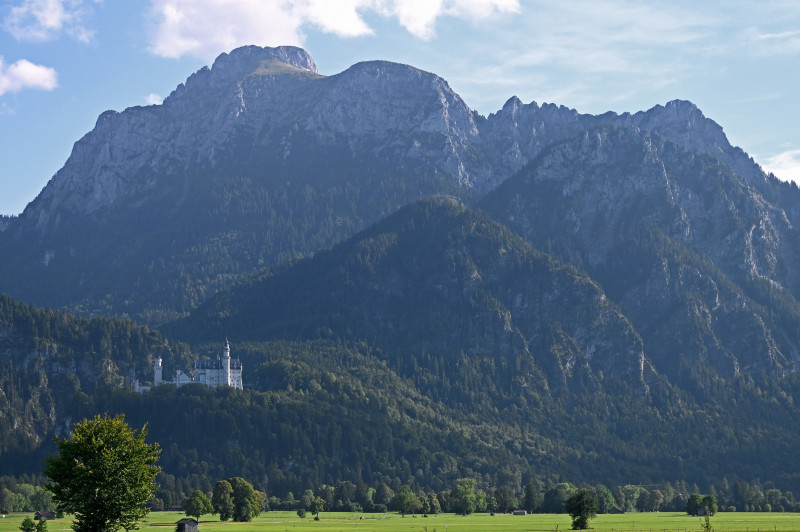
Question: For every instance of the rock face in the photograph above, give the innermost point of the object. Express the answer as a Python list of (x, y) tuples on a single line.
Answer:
[(681, 241), (260, 99), (131, 151), (259, 160)]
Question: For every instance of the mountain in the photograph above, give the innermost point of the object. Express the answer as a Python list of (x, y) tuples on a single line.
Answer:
[(433, 345), (258, 160), (537, 292), (508, 338), (251, 162), (679, 239), (433, 283)]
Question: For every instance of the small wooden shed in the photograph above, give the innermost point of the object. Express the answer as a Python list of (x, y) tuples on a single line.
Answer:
[(187, 524)]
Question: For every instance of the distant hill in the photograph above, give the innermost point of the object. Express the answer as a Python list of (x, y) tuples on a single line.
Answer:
[(434, 283)]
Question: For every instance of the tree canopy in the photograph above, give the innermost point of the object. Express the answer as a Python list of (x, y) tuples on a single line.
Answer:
[(222, 500), (406, 501), (198, 504), (246, 500), (464, 496), (103, 473), (581, 506), (236, 499)]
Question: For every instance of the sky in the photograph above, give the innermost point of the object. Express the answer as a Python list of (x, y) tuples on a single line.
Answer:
[(63, 62)]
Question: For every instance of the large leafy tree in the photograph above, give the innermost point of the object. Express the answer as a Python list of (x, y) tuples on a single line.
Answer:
[(710, 504), (506, 499), (464, 496), (236, 499), (406, 501), (317, 505), (581, 506), (103, 473), (246, 500), (694, 504), (605, 499), (222, 500), (198, 504)]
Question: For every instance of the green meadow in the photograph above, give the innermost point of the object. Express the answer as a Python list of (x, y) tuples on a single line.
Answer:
[(289, 521)]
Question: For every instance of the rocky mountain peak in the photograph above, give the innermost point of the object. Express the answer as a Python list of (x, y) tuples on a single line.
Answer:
[(232, 67), (250, 58), (681, 120)]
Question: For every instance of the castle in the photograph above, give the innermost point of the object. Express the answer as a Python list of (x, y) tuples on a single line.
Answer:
[(223, 371)]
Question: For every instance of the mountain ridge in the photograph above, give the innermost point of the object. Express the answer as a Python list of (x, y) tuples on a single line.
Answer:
[(600, 298), (393, 287)]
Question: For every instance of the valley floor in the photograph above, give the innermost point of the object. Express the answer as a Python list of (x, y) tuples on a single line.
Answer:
[(633, 522)]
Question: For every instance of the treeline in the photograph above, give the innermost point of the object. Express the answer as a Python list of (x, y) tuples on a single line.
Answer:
[(24, 494), (466, 496)]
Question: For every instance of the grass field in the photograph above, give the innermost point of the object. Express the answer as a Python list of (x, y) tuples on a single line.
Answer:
[(634, 522)]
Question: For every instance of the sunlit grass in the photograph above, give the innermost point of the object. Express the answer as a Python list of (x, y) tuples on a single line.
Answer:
[(633, 522)]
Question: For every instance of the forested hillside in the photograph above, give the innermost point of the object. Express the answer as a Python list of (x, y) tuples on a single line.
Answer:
[(571, 407), (417, 293)]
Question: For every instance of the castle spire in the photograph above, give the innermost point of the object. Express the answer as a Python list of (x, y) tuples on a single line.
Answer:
[(226, 363)]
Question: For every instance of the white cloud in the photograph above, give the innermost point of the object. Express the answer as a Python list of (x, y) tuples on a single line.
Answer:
[(785, 166), (154, 99), (25, 75), (771, 44), (205, 28), (340, 18), (43, 20), (417, 16)]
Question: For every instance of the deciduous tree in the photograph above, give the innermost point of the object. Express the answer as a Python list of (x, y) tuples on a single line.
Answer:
[(464, 496), (694, 504), (406, 501), (222, 500), (506, 499), (246, 500), (103, 474), (532, 498), (198, 504), (317, 505), (710, 504), (581, 506)]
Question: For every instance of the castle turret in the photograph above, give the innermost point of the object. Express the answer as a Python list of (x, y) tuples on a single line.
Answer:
[(226, 363), (157, 369)]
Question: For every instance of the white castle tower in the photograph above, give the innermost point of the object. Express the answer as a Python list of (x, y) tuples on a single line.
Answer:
[(157, 369), (226, 364)]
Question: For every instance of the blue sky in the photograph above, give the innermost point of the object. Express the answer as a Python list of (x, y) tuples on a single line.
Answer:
[(63, 62)]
